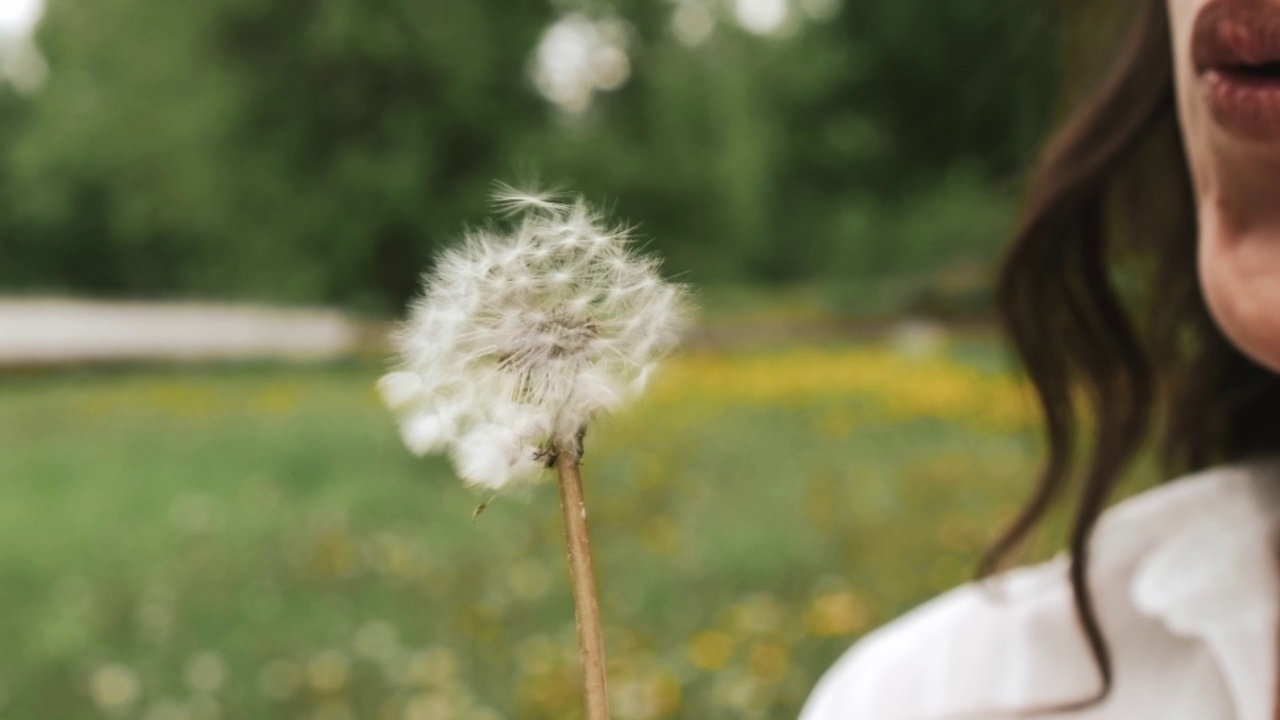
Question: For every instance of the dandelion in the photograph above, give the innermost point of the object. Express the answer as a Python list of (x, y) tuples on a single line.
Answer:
[(114, 687), (768, 661), (167, 710), (329, 672), (205, 673), (711, 650), (529, 580), (280, 679), (376, 640), (204, 707), (430, 706), (524, 335), (434, 667)]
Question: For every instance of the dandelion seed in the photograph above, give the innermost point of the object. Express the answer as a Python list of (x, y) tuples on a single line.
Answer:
[(399, 388), (515, 201), (426, 432), (522, 337)]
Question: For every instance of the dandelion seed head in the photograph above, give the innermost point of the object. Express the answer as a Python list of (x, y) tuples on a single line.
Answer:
[(522, 335)]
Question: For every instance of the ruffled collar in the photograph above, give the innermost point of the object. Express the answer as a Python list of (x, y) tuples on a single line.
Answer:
[(1206, 568)]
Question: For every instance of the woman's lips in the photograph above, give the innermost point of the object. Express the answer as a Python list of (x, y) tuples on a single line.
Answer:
[(1235, 48)]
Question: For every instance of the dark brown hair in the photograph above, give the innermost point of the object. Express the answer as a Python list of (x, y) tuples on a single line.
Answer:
[(1100, 297)]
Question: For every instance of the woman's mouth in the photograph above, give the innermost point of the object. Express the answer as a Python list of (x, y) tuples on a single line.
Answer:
[(1235, 47)]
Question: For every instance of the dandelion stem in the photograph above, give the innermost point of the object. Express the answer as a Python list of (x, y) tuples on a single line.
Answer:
[(585, 597)]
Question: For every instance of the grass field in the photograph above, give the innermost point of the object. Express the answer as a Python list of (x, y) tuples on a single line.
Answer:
[(253, 542)]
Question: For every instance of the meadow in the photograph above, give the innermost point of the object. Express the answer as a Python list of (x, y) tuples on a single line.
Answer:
[(253, 542)]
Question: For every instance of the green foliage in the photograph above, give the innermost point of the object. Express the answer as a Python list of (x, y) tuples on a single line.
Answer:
[(961, 217), (319, 151)]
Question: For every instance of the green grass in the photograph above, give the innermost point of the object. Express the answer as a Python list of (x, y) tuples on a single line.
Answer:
[(255, 543)]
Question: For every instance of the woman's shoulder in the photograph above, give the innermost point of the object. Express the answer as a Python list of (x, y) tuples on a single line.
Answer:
[(1013, 642), (938, 658)]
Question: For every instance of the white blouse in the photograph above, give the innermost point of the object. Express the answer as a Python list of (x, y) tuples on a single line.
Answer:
[(1185, 583)]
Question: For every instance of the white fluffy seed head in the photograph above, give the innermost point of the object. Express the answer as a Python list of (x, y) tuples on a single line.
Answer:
[(522, 335)]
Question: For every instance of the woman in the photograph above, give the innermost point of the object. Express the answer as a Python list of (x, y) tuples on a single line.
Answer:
[(1142, 293)]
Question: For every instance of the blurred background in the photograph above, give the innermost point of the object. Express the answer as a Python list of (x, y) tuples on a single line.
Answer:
[(210, 211)]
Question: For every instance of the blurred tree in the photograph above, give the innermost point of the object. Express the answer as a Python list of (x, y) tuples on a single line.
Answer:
[(378, 124), (799, 156), (315, 151), (14, 241), (283, 150)]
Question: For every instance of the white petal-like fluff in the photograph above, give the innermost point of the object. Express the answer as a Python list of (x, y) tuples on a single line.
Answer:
[(492, 456), (525, 334), (424, 432), (398, 389)]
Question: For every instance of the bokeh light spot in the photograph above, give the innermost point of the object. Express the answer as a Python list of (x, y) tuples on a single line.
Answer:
[(692, 23), (762, 17), (578, 56)]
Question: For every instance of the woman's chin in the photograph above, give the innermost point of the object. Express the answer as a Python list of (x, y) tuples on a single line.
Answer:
[(1241, 283)]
